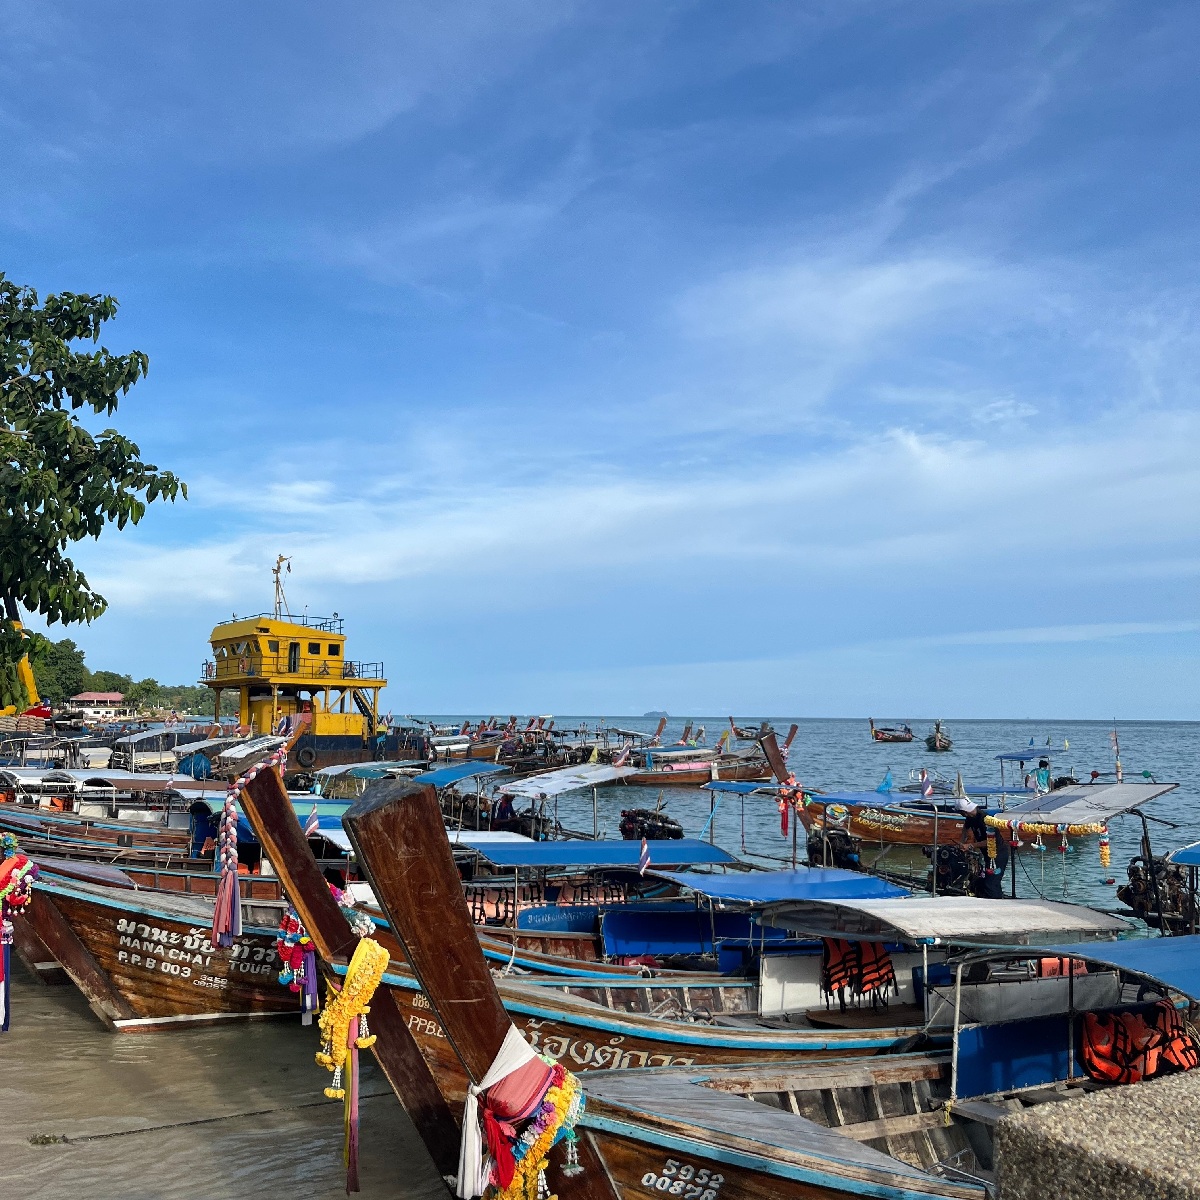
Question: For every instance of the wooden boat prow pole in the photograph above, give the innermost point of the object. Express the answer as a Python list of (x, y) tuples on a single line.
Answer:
[(271, 813), (397, 833)]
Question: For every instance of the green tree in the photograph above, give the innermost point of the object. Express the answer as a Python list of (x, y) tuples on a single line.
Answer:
[(59, 481), (58, 668), (108, 681)]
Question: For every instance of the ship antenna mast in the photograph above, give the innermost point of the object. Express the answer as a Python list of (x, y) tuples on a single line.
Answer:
[(281, 604)]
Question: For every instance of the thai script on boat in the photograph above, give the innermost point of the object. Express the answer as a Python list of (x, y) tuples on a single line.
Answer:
[(875, 818), (175, 953), (588, 1054)]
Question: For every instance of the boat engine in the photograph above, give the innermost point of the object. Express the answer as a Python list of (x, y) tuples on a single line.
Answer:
[(637, 823), (833, 848), (1174, 896)]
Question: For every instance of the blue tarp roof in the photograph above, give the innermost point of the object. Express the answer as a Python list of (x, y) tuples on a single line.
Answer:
[(1174, 961), (765, 887), (443, 776), (683, 852), (741, 787), (1186, 856)]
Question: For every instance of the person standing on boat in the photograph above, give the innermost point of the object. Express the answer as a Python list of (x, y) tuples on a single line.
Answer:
[(989, 885)]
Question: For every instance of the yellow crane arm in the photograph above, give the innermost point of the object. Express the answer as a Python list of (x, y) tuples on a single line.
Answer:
[(25, 675)]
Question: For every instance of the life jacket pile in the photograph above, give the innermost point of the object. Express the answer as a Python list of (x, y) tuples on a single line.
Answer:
[(1125, 1047), (856, 969)]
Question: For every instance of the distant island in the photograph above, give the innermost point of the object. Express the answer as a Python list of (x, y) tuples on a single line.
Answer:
[(656, 714)]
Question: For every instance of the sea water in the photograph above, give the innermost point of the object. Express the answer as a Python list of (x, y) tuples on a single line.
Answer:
[(839, 755)]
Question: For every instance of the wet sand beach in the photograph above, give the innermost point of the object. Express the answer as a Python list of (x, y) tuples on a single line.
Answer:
[(235, 1111)]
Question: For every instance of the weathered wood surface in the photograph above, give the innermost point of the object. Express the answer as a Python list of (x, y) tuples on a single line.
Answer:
[(673, 1104), (35, 954), (159, 964), (747, 770), (271, 813), (586, 1035), (56, 934), (420, 880)]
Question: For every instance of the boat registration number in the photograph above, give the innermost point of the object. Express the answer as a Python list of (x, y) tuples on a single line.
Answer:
[(682, 1179)]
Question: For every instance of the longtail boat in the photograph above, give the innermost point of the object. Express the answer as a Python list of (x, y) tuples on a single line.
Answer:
[(938, 740), (673, 766), (647, 1132), (889, 733), (146, 960)]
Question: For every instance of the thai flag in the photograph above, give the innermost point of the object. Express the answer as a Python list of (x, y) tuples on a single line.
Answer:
[(926, 784), (644, 857), (313, 825)]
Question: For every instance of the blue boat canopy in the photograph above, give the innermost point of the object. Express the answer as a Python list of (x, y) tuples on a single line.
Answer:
[(444, 776), (1186, 856), (684, 852), (1030, 754), (765, 887), (741, 787), (1174, 961)]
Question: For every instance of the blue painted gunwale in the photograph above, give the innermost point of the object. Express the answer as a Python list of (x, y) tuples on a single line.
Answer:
[(808, 1042)]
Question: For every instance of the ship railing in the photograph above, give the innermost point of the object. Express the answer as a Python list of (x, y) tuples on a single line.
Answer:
[(259, 666), (332, 624)]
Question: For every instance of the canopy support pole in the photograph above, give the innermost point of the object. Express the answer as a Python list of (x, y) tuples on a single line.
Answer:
[(933, 885), (1070, 1018), (595, 816), (1152, 867), (958, 970)]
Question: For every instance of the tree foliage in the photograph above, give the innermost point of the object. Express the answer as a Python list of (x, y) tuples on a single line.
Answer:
[(60, 672), (59, 481)]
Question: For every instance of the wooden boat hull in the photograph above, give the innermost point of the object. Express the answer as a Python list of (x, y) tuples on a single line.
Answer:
[(672, 1128), (888, 735), (882, 825), (699, 774), (157, 968), (597, 1024)]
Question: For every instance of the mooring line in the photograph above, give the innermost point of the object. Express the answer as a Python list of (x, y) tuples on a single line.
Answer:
[(60, 1139)]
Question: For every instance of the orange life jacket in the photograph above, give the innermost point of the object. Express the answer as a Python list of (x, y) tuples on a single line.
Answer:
[(857, 968), (1120, 1047), (1179, 1048), (1052, 967)]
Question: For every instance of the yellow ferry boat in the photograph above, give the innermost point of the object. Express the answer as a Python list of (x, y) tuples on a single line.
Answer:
[(293, 679)]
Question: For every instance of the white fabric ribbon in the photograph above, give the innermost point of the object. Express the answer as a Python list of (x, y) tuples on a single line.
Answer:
[(513, 1054)]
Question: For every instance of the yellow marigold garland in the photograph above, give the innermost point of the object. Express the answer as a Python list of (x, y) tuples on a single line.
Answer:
[(998, 821), (366, 969), (560, 1109)]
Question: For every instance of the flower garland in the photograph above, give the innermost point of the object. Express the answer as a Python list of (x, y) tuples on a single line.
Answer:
[(791, 796), (344, 1032), (552, 1122), (17, 874), (352, 1003), (999, 822), (298, 955), (227, 911), (1037, 828)]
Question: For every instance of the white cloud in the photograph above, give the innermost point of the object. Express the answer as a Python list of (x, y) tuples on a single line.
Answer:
[(935, 509)]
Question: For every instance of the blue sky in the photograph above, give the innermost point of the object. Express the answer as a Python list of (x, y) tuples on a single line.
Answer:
[(807, 359)]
